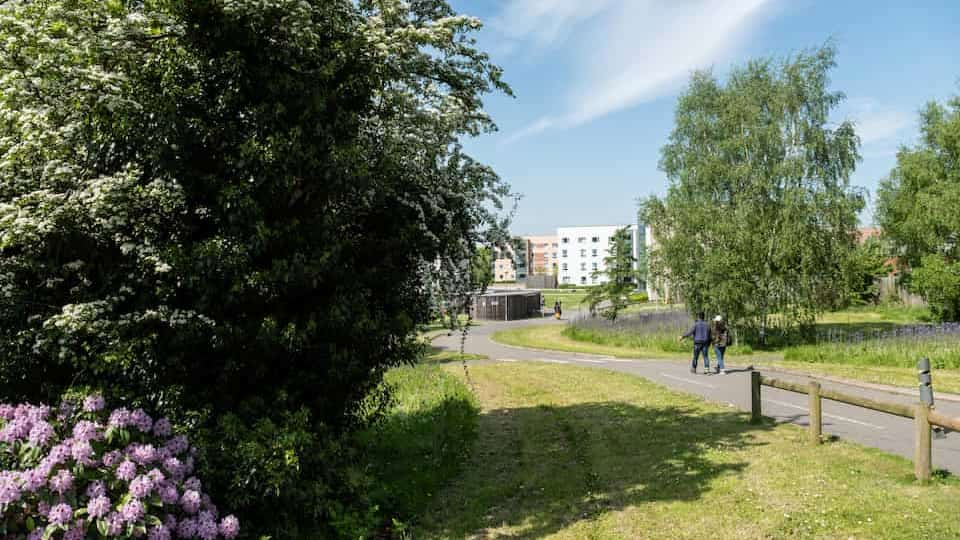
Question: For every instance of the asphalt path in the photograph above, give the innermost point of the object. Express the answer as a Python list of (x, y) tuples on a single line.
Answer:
[(870, 428)]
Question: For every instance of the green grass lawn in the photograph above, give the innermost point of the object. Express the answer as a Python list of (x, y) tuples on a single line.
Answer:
[(570, 453), (436, 355), (570, 300), (884, 315)]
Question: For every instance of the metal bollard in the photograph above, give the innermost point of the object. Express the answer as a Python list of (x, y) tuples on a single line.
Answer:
[(756, 412), (926, 382)]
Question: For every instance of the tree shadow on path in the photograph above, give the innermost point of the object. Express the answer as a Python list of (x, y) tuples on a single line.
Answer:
[(539, 470)]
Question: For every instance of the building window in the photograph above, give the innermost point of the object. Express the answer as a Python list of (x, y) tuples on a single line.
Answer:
[(593, 280), (564, 253), (564, 267), (583, 280), (555, 244), (553, 255), (566, 240), (566, 279), (594, 266), (595, 239), (581, 240), (583, 253), (594, 253), (583, 266)]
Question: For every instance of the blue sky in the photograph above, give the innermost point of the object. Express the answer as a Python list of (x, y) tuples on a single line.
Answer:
[(596, 82)]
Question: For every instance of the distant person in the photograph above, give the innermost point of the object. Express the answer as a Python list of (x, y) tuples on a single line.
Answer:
[(721, 339), (700, 332)]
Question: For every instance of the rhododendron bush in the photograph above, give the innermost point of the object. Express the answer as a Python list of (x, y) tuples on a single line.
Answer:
[(79, 471)]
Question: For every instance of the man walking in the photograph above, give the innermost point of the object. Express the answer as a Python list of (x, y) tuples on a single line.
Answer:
[(700, 332)]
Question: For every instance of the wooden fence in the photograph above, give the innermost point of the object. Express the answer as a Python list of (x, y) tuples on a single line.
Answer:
[(890, 289), (924, 416)]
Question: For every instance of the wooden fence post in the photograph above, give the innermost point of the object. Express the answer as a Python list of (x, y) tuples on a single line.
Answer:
[(756, 413), (816, 418), (923, 456)]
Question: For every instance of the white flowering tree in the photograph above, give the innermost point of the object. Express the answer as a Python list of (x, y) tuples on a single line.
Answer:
[(225, 207)]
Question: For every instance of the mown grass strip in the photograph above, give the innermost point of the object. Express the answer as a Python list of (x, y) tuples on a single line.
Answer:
[(569, 453)]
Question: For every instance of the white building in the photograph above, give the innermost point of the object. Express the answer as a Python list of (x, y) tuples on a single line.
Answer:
[(581, 253), (582, 250)]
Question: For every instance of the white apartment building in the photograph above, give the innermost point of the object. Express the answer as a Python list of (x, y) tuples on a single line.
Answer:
[(581, 253), (582, 250)]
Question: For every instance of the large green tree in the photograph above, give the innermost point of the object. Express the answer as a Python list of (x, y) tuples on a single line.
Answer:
[(233, 212), (919, 208), (613, 295), (759, 216)]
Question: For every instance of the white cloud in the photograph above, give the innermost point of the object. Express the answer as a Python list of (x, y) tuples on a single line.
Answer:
[(626, 52), (543, 22), (876, 123), (539, 126)]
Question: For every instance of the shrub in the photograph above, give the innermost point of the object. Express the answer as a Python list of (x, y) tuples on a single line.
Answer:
[(639, 298), (82, 471), (206, 204)]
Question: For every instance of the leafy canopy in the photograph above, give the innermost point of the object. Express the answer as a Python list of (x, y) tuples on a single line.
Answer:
[(759, 216), (234, 212), (919, 208)]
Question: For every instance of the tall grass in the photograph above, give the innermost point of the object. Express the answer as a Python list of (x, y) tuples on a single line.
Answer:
[(651, 330), (899, 346), (422, 442), (871, 338)]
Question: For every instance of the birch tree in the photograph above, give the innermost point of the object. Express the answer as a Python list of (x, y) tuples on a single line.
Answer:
[(759, 216)]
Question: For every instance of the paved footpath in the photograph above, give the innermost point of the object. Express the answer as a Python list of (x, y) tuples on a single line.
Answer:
[(870, 428)]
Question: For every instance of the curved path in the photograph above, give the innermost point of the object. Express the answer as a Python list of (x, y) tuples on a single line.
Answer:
[(869, 428)]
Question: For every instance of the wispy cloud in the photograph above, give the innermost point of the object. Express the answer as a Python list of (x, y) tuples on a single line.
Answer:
[(876, 123), (544, 22), (625, 52), (539, 126)]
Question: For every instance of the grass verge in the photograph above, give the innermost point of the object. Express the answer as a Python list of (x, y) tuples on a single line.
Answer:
[(571, 453), (570, 301), (944, 380), (423, 440), (943, 352), (554, 337), (896, 314), (444, 356), (551, 337), (664, 343)]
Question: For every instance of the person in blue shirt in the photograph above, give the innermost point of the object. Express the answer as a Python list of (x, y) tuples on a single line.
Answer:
[(700, 332)]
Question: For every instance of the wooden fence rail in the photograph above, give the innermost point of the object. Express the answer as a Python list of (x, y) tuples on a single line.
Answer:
[(923, 415)]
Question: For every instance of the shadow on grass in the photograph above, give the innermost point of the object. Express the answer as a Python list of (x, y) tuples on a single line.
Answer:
[(535, 471), (440, 355)]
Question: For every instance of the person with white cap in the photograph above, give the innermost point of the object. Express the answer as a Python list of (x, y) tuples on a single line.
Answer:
[(721, 338)]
